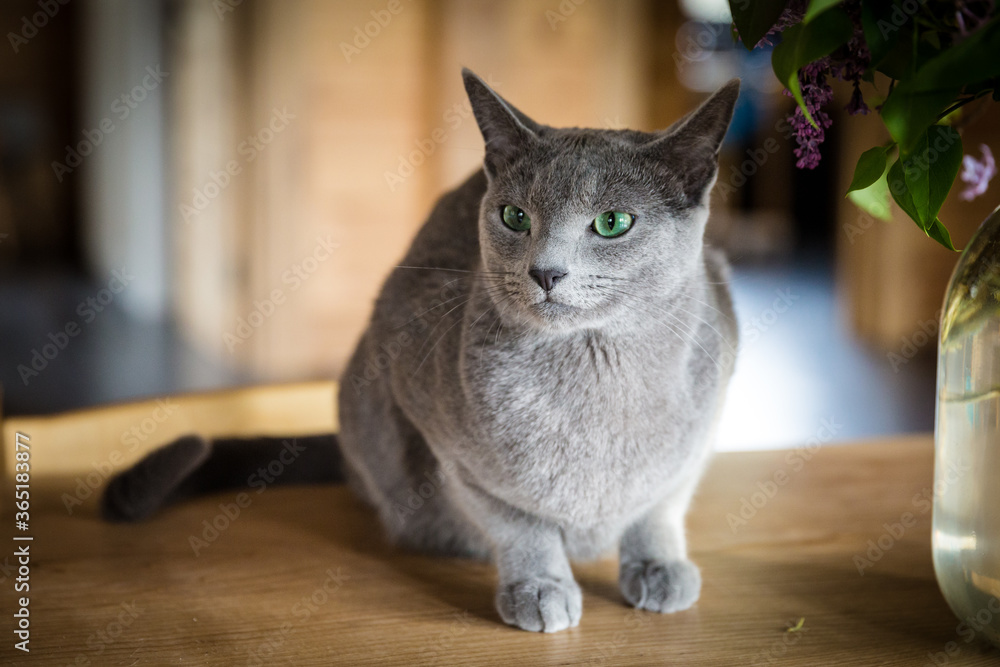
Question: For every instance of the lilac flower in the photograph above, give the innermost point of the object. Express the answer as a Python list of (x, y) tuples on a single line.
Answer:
[(857, 104), (850, 63), (791, 15), (978, 174), (816, 93), (962, 12)]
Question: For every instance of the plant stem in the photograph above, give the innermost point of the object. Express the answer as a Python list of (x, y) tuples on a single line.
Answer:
[(961, 103)]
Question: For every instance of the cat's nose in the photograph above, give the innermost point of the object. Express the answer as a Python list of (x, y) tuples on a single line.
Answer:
[(546, 278)]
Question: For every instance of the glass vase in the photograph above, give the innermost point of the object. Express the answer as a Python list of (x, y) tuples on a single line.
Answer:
[(966, 537)]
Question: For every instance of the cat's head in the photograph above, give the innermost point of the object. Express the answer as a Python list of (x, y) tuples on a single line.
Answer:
[(578, 225)]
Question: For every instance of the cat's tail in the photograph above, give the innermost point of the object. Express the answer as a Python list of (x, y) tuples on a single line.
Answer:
[(192, 466)]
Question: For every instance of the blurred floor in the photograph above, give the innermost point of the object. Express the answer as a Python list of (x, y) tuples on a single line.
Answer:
[(111, 358), (799, 376)]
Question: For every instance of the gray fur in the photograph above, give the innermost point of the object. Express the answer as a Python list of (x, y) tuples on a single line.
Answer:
[(480, 418)]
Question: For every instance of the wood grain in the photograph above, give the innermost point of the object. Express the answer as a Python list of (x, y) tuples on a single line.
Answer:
[(303, 576)]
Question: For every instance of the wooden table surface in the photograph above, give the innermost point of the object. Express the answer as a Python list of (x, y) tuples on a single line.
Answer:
[(303, 576)]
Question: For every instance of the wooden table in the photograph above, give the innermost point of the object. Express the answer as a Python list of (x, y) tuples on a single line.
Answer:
[(303, 576)]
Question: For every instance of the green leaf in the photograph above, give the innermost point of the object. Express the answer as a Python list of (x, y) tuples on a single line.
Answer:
[(874, 199), (916, 102), (907, 114), (901, 193), (921, 179), (754, 18), (939, 233), (796, 90), (973, 60), (803, 43), (897, 61), (871, 165), (817, 7), (881, 34), (930, 170)]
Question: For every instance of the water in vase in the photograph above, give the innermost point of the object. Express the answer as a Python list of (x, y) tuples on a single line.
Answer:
[(966, 538)]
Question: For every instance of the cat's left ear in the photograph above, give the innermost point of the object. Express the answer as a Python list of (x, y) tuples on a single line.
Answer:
[(506, 130), (690, 147)]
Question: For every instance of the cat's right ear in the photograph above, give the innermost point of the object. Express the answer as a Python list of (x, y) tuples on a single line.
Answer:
[(506, 131)]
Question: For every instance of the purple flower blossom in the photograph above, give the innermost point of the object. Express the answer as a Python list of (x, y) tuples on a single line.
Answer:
[(816, 93), (857, 104), (847, 64), (978, 173), (850, 63), (791, 15), (964, 14)]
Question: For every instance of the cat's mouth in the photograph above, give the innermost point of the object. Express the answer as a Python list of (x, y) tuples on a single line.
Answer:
[(550, 307)]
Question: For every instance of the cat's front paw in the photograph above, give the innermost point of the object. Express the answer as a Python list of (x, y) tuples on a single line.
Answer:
[(540, 604), (660, 586)]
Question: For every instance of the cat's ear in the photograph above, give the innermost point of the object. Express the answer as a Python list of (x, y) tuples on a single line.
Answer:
[(506, 130), (690, 147)]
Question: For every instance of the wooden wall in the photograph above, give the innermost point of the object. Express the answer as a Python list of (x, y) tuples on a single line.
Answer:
[(381, 128)]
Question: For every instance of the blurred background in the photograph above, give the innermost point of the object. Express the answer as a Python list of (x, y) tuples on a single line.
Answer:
[(198, 194)]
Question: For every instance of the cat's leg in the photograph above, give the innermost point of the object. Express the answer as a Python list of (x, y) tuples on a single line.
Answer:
[(536, 589), (654, 571), (389, 464)]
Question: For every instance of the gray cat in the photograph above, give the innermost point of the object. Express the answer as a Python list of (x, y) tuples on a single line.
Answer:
[(540, 377)]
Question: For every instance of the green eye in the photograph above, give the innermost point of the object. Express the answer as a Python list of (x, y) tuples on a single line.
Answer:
[(515, 218), (613, 223)]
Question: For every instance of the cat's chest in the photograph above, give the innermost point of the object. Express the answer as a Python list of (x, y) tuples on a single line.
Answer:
[(583, 387), (583, 429)]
